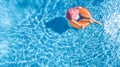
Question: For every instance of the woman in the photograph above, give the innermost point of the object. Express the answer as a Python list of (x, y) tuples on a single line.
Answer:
[(74, 15)]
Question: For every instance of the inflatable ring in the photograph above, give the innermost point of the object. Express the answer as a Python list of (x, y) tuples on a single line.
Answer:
[(83, 11)]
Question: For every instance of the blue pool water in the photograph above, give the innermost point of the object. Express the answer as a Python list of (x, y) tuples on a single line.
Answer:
[(35, 33)]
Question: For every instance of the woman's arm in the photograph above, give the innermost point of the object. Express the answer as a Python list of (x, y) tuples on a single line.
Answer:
[(76, 23)]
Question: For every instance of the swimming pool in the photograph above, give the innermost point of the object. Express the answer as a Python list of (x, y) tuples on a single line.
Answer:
[(37, 34)]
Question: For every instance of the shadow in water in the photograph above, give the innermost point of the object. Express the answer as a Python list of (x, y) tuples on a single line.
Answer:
[(58, 24)]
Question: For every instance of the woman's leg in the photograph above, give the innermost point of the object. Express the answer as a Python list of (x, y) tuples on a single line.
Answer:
[(96, 21), (90, 19), (85, 16)]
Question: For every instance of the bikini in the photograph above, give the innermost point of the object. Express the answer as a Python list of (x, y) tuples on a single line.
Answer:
[(80, 17)]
